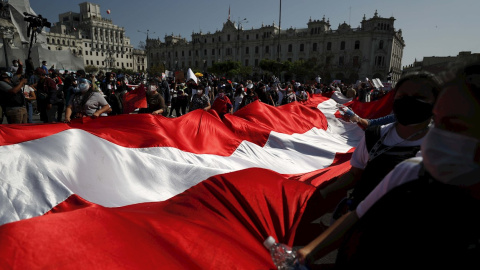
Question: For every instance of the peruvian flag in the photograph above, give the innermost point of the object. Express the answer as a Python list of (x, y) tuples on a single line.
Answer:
[(149, 192)]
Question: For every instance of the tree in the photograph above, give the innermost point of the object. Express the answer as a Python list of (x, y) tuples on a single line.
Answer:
[(227, 68), (91, 69)]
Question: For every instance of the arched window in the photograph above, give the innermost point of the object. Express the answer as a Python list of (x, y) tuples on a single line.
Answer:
[(357, 45), (342, 45), (48, 40), (380, 46)]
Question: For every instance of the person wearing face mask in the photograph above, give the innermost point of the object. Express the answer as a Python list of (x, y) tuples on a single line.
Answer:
[(200, 100), (86, 102), (14, 67), (381, 148), (155, 101), (250, 96), (425, 211), (222, 103)]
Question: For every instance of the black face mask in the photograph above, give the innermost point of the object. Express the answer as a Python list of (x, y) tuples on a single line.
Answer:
[(409, 110)]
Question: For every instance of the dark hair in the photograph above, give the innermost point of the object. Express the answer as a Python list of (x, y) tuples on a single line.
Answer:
[(423, 77)]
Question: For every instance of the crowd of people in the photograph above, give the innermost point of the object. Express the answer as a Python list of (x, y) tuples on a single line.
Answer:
[(61, 96)]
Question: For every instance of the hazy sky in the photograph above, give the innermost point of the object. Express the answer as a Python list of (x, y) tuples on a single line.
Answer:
[(430, 27)]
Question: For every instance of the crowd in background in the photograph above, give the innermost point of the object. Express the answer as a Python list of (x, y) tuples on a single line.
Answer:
[(48, 93)]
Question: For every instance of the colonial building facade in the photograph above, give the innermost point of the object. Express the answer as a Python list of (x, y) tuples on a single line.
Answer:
[(100, 42), (371, 50)]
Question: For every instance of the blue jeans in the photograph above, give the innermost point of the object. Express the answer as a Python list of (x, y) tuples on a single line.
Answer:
[(29, 112)]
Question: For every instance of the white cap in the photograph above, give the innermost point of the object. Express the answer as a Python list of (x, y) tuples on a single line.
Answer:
[(269, 242)]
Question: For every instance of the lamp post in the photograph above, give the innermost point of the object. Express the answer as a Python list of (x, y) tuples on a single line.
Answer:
[(239, 26)]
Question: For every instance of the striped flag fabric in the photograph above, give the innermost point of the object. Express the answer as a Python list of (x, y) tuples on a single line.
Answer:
[(149, 192)]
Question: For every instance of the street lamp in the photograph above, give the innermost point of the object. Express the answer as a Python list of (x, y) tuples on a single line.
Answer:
[(239, 26)]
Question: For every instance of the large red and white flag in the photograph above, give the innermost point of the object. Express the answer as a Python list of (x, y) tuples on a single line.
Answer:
[(148, 192)]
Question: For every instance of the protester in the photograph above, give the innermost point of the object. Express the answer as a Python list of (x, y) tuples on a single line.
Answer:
[(250, 96), (46, 96), (155, 101), (424, 212), (86, 102), (182, 101), (30, 98), (222, 104), (380, 150), (14, 67), (200, 100), (238, 97), (12, 99), (289, 95)]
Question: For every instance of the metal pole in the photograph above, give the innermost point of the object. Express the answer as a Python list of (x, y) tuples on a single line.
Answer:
[(5, 50), (279, 29)]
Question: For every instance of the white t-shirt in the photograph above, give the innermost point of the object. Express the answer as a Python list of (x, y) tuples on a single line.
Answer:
[(403, 173), (360, 155)]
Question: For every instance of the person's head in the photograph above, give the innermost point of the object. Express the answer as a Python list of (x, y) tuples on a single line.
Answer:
[(40, 72), (5, 76), (152, 85), (451, 150), (84, 85), (15, 63), (415, 97), (44, 63), (80, 73), (200, 89)]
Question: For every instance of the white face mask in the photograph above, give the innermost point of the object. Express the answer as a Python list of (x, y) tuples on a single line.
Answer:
[(152, 88), (449, 157), (199, 92)]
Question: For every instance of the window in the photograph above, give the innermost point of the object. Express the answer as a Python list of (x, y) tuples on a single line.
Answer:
[(183, 53), (314, 47), (247, 50), (341, 60), (205, 52), (357, 44), (356, 61), (329, 46), (246, 62), (228, 37), (189, 53), (256, 36), (248, 37), (302, 47), (342, 45), (98, 63), (97, 53), (267, 49), (213, 51), (256, 50), (380, 46), (256, 62), (290, 47), (176, 54), (48, 40), (196, 52)]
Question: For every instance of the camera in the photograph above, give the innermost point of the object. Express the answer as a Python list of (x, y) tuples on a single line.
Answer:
[(37, 22)]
